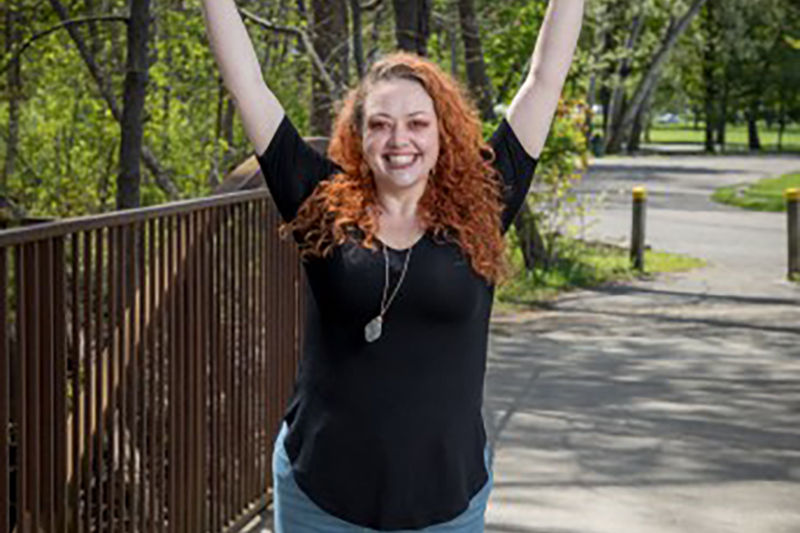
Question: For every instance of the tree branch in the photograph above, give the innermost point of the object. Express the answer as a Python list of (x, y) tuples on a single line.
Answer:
[(333, 87), (369, 6), (16, 54)]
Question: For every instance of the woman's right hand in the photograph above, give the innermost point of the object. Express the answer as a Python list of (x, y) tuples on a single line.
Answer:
[(260, 110)]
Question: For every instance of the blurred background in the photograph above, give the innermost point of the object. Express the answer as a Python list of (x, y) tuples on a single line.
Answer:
[(720, 76)]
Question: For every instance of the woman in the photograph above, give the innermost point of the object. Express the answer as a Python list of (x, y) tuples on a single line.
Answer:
[(400, 228)]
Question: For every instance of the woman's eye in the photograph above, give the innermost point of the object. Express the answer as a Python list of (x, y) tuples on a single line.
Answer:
[(418, 124), (378, 125)]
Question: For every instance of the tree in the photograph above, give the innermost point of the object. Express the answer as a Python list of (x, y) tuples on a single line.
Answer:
[(711, 30), (107, 93), (330, 38), (13, 38), (618, 134), (136, 76), (412, 25), (479, 83), (617, 101)]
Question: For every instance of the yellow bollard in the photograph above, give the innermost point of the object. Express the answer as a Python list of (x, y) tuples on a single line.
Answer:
[(793, 220), (637, 233)]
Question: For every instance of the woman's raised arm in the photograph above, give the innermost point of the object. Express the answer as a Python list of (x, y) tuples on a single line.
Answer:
[(260, 110), (531, 112)]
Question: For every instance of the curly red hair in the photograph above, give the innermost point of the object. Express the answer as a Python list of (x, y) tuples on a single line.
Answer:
[(462, 201)]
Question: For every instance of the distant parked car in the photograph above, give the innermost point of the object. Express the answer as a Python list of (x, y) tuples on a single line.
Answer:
[(668, 118)]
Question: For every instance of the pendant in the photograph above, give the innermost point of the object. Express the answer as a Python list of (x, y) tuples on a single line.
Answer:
[(372, 331)]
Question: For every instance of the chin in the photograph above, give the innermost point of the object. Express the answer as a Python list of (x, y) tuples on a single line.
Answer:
[(403, 182)]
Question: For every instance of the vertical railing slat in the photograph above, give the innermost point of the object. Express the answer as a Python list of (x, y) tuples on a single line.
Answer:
[(228, 362), (34, 388), (20, 371), (61, 449), (140, 463), (150, 362), (190, 265), (180, 371), (75, 470), (248, 360), (170, 356), (5, 397), (45, 317), (205, 358), (216, 426), (89, 367), (125, 370), (258, 419), (102, 326)]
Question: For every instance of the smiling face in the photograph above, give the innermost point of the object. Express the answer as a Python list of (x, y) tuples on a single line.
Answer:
[(400, 134)]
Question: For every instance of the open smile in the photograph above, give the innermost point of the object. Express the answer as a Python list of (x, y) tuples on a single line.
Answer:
[(400, 161)]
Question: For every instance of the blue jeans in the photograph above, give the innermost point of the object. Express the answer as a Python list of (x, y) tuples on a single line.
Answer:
[(296, 513)]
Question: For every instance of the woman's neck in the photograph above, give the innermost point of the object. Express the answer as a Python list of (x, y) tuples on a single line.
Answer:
[(401, 204)]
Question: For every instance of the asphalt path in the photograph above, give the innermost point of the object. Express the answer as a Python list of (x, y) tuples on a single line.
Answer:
[(661, 406)]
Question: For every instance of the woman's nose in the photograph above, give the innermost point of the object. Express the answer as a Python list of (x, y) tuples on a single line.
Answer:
[(399, 136)]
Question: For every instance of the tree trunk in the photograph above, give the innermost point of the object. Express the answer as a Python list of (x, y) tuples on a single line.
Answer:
[(215, 172), (137, 69), (13, 74), (709, 79), (412, 25), (601, 31), (649, 77), (375, 34), (753, 139), (329, 38), (358, 38), (479, 84), (722, 118), (635, 142), (534, 251), (615, 107), (781, 119), (227, 133)]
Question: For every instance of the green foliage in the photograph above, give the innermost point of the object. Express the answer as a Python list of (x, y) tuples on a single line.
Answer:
[(764, 195), (68, 150), (582, 264), (552, 199), (515, 26), (69, 143)]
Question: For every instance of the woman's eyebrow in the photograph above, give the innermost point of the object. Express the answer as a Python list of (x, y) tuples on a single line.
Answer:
[(387, 115)]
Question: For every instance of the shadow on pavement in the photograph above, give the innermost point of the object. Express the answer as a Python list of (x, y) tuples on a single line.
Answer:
[(627, 396)]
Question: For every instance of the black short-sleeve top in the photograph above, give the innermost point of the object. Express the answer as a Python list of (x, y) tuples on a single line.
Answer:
[(389, 435)]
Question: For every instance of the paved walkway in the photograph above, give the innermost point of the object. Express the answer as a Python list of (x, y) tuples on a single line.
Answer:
[(666, 406)]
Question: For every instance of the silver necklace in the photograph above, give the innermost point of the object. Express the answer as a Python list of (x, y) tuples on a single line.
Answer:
[(374, 328)]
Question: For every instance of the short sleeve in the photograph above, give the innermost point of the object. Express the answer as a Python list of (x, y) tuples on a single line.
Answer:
[(516, 168), (292, 169)]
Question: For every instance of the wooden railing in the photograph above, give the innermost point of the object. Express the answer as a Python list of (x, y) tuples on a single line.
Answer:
[(145, 358)]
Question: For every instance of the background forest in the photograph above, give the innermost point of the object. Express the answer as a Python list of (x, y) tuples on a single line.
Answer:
[(109, 104)]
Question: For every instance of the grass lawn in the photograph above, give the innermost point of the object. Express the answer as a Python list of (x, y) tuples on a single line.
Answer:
[(736, 136), (582, 265), (763, 195)]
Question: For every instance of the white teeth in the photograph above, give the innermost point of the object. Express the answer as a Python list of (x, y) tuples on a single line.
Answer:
[(401, 160)]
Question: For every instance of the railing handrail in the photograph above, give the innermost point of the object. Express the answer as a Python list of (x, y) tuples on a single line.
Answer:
[(59, 228)]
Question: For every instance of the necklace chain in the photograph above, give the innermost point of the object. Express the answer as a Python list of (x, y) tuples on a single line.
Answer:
[(385, 304), (374, 329)]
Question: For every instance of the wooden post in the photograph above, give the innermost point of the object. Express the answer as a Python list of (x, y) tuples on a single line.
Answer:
[(637, 234), (793, 212)]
